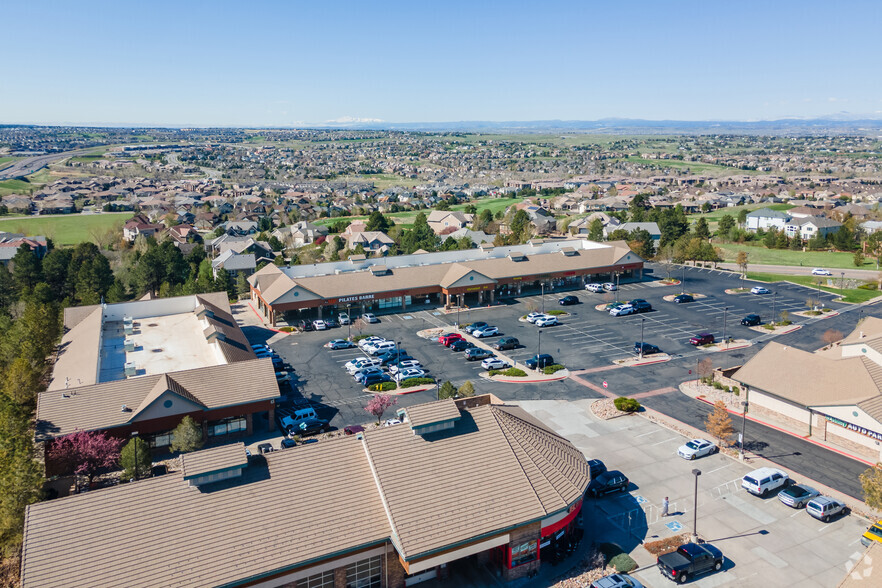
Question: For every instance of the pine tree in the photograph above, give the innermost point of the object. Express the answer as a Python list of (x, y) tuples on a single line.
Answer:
[(187, 436), (135, 459), (467, 390)]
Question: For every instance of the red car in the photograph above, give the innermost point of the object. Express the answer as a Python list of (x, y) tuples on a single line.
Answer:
[(702, 339), (353, 429), (447, 338)]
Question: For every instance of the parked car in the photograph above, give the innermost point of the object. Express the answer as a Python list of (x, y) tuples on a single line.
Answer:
[(873, 533), (640, 305), (404, 364), (408, 373), (647, 348), (506, 343), (265, 448), (825, 508), (613, 305), (819, 271), (261, 347), (531, 318), (353, 429), (369, 318), (539, 361), (610, 287), (303, 325), (623, 310), (702, 339), (568, 300), (473, 326), (696, 448), (331, 323), (477, 353), (372, 379), (319, 325), (283, 377), (391, 422), (690, 560), (488, 331), (616, 581), (598, 288), (369, 340), (363, 374), (762, 481), (447, 338), (683, 298), (390, 355), (547, 321), (287, 443), (494, 363), (311, 427), (751, 320), (797, 495), (595, 467), (381, 347), (339, 344), (344, 319), (358, 363), (461, 345), (759, 290), (607, 482)]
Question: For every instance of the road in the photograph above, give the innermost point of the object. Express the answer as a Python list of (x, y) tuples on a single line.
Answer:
[(30, 165), (796, 270)]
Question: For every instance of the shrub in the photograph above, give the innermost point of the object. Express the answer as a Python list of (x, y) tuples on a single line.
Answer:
[(382, 386), (623, 563), (736, 390), (826, 309), (770, 327), (511, 372), (550, 369), (785, 323), (869, 286), (556, 312), (416, 382), (717, 385), (286, 329), (626, 404), (358, 338)]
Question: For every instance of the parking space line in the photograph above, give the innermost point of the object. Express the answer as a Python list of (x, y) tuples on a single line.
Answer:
[(665, 441)]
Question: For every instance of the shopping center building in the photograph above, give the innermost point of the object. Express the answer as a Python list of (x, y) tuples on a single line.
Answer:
[(471, 482), (472, 277)]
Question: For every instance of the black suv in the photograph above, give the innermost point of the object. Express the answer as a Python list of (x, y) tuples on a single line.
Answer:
[(751, 320), (567, 300), (309, 426), (304, 325), (640, 305), (539, 361), (595, 467), (506, 343), (607, 482), (461, 345), (648, 348)]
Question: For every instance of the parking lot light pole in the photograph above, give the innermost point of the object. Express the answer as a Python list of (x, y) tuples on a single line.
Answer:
[(542, 285), (683, 281), (642, 320), (617, 286), (538, 349), (743, 421), (842, 281), (725, 338), (349, 321), (774, 301), (819, 293), (696, 473), (398, 355)]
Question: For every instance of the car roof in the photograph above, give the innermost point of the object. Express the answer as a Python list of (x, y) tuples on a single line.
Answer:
[(765, 472), (823, 500)]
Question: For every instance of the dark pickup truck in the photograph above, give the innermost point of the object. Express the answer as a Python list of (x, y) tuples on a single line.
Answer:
[(690, 560)]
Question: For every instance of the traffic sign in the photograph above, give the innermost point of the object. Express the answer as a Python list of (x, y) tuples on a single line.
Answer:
[(605, 385)]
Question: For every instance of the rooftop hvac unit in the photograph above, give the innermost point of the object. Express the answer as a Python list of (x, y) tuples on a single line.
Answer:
[(129, 328), (130, 345), (131, 370), (127, 320)]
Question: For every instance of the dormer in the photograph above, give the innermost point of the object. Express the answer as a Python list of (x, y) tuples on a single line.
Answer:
[(213, 334), (215, 464), (432, 417)]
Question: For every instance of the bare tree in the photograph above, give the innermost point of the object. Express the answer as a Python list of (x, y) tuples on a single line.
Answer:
[(831, 336), (741, 260)]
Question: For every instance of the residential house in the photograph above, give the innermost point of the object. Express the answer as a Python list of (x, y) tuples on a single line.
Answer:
[(300, 233), (447, 221), (766, 218), (181, 233), (651, 228), (140, 225), (11, 242), (234, 264), (17, 203), (810, 226), (371, 241), (239, 228)]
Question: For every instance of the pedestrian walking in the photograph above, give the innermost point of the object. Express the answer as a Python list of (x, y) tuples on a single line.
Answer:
[(665, 505)]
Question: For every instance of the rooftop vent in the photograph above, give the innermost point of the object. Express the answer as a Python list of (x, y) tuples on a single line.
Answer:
[(131, 369), (356, 258), (379, 270), (517, 256), (124, 408), (129, 345), (568, 251)]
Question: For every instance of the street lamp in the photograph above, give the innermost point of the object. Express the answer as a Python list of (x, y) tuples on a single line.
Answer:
[(696, 473), (617, 286), (538, 349), (135, 440), (743, 422), (642, 320), (725, 339), (349, 321), (542, 285), (683, 281), (819, 293), (398, 355), (842, 281), (774, 301)]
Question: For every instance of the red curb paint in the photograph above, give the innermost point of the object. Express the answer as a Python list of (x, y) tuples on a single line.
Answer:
[(261, 320), (792, 434)]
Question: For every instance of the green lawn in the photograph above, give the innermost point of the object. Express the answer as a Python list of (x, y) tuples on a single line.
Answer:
[(809, 259), (7, 161), (695, 167), (855, 295), (407, 217), (67, 229)]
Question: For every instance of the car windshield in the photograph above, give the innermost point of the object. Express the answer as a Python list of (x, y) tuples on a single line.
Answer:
[(796, 491), (692, 445)]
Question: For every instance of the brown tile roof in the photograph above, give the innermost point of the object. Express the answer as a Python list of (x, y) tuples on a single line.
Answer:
[(216, 459), (99, 406), (808, 379), (493, 471), (432, 412), (77, 360)]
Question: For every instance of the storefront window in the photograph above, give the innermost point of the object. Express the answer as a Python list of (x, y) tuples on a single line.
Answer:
[(364, 574), (226, 426), (523, 553), (160, 439), (323, 580)]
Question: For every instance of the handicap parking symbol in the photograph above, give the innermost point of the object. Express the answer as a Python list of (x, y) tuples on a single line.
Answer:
[(640, 499), (674, 526)]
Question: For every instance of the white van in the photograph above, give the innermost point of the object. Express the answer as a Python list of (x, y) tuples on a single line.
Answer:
[(296, 417), (764, 480)]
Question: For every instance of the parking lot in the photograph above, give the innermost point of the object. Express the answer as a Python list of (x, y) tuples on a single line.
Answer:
[(765, 542)]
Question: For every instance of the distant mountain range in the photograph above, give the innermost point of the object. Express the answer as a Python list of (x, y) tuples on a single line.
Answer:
[(842, 123)]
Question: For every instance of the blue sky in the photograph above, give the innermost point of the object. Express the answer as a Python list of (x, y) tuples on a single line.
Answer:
[(286, 63)]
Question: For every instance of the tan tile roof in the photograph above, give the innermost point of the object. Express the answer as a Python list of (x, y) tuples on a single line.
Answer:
[(421, 415), (164, 533), (494, 470), (163, 384), (216, 459), (99, 406), (809, 379), (869, 327), (234, 346), (77, 361)]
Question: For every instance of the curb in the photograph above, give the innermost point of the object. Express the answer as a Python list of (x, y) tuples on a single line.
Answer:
[(527, 381), (262, 323), (641, 363), (399, 391)]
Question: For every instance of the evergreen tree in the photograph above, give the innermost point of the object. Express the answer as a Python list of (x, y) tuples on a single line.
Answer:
[(640, 242), (242, 287), (520, 224), (595, 230), (725, 226), (377, 222), (782, 242), (467, 390), (701, 229), (771, 239), (8, 291), (135, 459), (187, 436), (26, 270)]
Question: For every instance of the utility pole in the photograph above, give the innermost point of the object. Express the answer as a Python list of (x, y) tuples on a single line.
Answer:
[(743, 422), (642, 321), (542, 284), (774, 301)]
